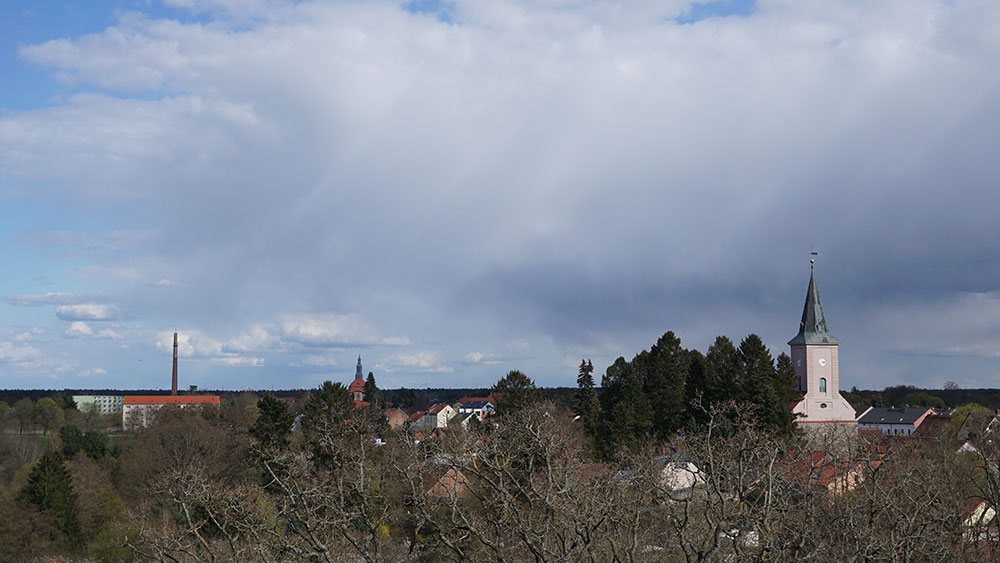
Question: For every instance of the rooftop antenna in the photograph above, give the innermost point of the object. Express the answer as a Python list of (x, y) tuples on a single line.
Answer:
[(173, 378)]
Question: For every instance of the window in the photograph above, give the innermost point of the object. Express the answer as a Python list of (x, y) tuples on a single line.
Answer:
[(822, 385)]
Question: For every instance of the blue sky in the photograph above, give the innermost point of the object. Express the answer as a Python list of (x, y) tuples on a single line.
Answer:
[(457, 189)]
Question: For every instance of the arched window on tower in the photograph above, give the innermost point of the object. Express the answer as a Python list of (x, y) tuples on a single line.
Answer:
[(822, 385)]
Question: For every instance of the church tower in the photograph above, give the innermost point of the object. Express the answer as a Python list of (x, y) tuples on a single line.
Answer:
[(357, 387), (815, 356)]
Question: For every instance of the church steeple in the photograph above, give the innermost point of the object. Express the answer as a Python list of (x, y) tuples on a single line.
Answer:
[(812, 327), (357, 387)]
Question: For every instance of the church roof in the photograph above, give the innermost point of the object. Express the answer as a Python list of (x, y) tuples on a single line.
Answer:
[(812, 327), (356, 385)]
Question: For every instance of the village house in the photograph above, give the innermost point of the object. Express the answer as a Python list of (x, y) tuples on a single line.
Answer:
[(479, 407), (438, 416), (977, 425), (396, 418), (445, 482), (823, 470), (138, 410), (894, 421), (978, 514)]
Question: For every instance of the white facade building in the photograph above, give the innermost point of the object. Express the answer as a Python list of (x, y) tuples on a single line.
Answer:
[(105, 404)]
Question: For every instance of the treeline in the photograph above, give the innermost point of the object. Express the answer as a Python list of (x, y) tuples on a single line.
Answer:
[(668, 388), (236, 483), (910, 396)]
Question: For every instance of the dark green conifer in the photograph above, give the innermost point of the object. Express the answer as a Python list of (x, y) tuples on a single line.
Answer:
[(759, 385), (514, 392), (373, 395), (788, 380), (585, 401), (721, 371), (72, 440), (273, 424), (50, 488)]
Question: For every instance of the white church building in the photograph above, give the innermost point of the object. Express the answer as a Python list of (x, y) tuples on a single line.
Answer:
[(814, 354)]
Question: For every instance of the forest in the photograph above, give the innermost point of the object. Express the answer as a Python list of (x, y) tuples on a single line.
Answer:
[(679, 455)]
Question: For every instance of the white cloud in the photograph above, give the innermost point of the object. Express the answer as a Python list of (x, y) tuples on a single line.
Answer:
[(327, 330), (19, 353), (239, 361), (27, 335), (478, 358), (258, 338), (418, 361), (92, 371), (88, 312), (80, 329), (314, 361)]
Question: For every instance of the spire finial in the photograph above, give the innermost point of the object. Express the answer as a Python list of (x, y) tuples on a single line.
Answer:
[(812, 328)]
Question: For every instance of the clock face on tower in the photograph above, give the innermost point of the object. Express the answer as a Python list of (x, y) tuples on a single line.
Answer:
[(822, 361)]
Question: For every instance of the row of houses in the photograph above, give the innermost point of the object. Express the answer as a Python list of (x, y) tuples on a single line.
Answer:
[(924, 422), (443, 415), (137, 410)]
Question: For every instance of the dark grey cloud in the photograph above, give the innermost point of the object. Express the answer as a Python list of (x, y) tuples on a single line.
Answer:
[(352, 177)]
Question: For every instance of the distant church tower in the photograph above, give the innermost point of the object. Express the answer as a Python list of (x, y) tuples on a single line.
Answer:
[(814, 354), (357, 387)]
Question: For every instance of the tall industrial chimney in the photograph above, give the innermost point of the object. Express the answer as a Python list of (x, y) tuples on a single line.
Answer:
[(173, 379)]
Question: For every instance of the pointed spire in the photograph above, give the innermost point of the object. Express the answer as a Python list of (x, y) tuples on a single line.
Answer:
[(357, 374), (812, 327)]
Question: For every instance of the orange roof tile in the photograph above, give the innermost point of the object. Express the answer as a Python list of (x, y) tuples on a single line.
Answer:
[(171, 400), (356, 385)]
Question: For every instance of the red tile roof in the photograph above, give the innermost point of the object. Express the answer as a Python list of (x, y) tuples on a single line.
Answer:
[(171, 400), (356, 385), (491, 399)]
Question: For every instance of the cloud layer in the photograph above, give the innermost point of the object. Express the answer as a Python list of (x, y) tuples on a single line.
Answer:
[(296, 183)]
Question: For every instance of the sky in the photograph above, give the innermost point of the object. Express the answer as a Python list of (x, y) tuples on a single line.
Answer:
[(453, 190)]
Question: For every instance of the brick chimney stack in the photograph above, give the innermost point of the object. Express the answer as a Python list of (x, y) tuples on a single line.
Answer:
[(173, 379)]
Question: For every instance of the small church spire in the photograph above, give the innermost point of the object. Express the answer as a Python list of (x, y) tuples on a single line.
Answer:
[(812, 327), (357, 373)]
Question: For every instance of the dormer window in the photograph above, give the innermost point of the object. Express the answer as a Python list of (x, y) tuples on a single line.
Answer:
[(822, 385)]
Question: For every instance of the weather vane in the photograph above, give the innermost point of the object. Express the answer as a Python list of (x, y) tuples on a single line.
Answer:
[(812, 256)]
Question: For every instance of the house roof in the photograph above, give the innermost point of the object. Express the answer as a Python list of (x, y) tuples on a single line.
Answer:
[(417, 416), (437, 408), (171, 400), (491, 398), (444, 482), (356, 385), (812, 327), (975, 423), (818, 467), (477, 404), (893, 415), (932, 427)]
